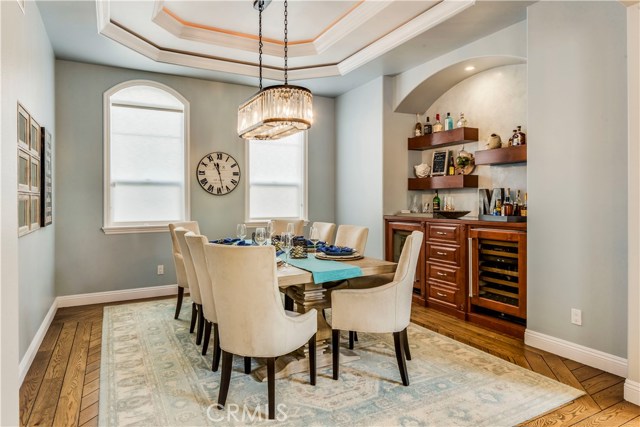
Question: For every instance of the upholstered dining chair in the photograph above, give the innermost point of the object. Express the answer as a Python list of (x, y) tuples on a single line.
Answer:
[(382, 309), (192, 280), (280, 226), (352, 236), (196, 244), (178, 260), (258, 326), (326, 231)]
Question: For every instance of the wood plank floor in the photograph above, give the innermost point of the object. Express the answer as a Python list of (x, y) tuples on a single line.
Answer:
[(62, 385)]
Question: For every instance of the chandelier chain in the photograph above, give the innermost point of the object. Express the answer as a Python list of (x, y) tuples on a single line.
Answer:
[(260, 9), (286, 40)]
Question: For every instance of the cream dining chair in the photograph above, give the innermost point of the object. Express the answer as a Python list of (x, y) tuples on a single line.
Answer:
[(352, 236), (326, 231), (280, 226), (259, 326), (196, 244), (178, 261), (192, 280), (383, 309)]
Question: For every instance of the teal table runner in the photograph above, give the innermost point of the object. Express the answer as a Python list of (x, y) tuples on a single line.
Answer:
[(326, 271)]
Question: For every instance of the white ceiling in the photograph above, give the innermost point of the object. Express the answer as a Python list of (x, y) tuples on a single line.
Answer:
[(334, 45)]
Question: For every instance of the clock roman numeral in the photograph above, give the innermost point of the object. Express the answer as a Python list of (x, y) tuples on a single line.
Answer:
[(228, 189), (219, 156), (227, 159), (210, 188), (234, 165), (205, 165), (236, 174), (200, 172), (210, 158), (204, 181), (219, 190), (234, 182)]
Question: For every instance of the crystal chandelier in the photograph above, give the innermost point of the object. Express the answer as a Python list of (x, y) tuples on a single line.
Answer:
[(276, 111)]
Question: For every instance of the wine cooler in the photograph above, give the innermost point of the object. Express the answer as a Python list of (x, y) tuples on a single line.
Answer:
[(498, 279), (397, 233)]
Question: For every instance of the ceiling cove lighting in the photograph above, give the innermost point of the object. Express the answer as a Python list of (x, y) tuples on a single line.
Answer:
[(276, 111)]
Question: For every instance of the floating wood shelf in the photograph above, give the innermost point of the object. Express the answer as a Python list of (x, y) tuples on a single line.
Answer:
[(444, 138), (502, 156), (444, 182)]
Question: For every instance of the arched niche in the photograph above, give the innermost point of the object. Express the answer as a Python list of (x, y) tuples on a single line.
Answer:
[(436, 84)]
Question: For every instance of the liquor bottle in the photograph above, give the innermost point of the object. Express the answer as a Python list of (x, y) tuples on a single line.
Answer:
[(428, 130), (462, 122), (511, 138), (517, 207), (436, 202), (418, 127), (448, 122), (523, 210), (516, 137), (497, 210), (437, 126), (522, 138), (451, 168), (507, 205)]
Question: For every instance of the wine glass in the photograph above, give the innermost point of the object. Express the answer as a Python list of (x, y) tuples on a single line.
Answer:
[(285, 238), (290, 229), (261, 236), (314, 236), (241, 231), (271, 228)]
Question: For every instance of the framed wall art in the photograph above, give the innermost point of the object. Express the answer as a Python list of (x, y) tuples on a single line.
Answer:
[(46, 202), (30, 145), (439, 163)]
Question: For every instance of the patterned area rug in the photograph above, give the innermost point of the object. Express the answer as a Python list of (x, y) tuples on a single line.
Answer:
[(153, 374)]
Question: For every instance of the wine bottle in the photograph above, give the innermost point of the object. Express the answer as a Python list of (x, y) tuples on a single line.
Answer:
[(507, 205), (448, 122), (523, 210), (437, 126), (517, 207), (418, 127), (462, 122), (451, 167), (436, 202), (428, 130), (522, 138)]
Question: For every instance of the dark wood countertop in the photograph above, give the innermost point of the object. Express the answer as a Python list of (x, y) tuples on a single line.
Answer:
[(470, 221)]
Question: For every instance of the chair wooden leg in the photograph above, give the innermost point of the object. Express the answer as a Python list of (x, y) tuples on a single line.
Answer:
[(355, 336), (194, 316), (398, 342), (335, 344), (216, 348), (200, 325), (207, 336), (405, 340), (312, 360), (351, 337), (271, 384), (247, 365), (179, 304), (225, 378), (288, 302)]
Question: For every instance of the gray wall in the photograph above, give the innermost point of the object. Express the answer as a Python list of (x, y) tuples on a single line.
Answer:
[(359, 161), (577, 175), (28, 78), (90, 261)]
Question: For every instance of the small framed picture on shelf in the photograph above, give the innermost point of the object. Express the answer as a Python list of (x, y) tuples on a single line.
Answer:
[(439, 163)]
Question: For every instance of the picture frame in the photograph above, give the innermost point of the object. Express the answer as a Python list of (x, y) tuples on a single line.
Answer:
[(34, 137), (23, 128), (439, 162), (34, 212), (23, 214), (46, 202), (24, 168), (34, 176)]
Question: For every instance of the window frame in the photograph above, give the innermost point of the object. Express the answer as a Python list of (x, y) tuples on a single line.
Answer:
[(257, 222), (108, 227)]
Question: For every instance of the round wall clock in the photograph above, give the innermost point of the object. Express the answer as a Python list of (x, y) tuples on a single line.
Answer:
[(218, 173)]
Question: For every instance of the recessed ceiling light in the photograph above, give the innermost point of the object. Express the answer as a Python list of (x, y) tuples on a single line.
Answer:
[(470, 68)]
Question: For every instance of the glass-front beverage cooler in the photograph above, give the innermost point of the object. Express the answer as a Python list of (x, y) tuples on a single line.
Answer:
[(397, 233)]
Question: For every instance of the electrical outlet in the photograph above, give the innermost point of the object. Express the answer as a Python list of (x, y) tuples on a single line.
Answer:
[(160, 269), (576, 316)]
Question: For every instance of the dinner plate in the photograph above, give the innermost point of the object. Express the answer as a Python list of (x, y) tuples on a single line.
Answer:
[(355, 255)]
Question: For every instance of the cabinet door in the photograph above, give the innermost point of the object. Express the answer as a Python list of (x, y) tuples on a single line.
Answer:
[(498, 271), (397, 233)]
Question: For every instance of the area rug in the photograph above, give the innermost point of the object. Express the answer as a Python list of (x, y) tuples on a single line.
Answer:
[(153, 374)]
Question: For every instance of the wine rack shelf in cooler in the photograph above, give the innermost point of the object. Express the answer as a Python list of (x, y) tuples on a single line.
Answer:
[(498, 266)]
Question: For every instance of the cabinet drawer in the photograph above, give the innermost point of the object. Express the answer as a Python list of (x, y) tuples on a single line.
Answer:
[(443, 253), (442, 294), (447, 232), (443, 273)]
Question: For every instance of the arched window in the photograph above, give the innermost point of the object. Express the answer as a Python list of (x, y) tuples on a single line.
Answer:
[(145, 157)]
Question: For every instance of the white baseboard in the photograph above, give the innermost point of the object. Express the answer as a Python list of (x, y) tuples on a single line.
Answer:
[(632, 392), (595, 358), (86, 299), (31, 352), (113, 296)]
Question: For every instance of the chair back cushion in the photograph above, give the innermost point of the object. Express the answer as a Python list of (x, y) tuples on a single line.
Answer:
[(280, 226), (326, 230), (189, 268), (405, 276), (196, 244), (251, 318), (178, 261), (352, 236)]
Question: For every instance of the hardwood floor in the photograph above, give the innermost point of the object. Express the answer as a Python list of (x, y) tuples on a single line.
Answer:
[(62, 385)]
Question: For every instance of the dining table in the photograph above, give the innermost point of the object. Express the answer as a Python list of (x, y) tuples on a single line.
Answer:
[(299, 286)]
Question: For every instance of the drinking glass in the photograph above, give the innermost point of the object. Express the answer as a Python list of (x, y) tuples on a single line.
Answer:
[(261, 236), (285, 238), (271, 228), (314, 236), (290, 229), (241, 231)]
